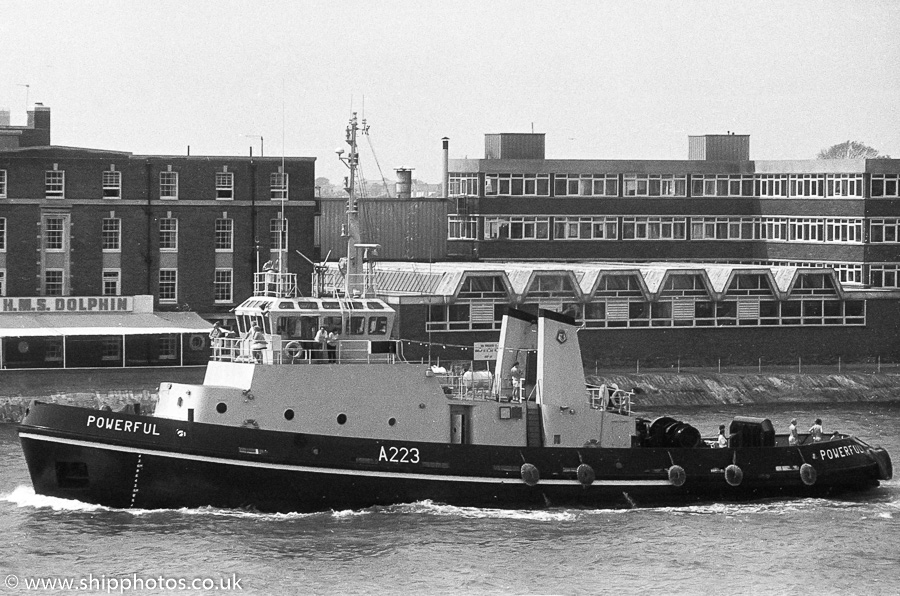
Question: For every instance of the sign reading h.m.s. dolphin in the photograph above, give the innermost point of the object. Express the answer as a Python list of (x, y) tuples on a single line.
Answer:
[(68, 304)]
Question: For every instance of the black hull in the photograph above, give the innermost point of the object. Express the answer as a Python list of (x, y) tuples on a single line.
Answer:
[(160, 463)]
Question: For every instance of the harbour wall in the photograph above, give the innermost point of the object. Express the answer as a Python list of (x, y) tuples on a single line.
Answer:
[(100, 388)]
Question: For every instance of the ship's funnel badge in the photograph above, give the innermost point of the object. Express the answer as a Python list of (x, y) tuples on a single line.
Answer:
[(561, 336)]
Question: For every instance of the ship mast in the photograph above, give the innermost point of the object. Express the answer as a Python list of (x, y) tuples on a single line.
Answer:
[(355, 275)]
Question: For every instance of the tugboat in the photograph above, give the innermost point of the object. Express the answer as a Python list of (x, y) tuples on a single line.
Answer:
[(315, 408)]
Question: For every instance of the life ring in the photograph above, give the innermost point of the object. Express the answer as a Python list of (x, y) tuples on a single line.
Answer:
[(808, 474), (677, 475), (585, 474), (618, 398), (530, 474), (197, 343), (293, 349), (734, 475)]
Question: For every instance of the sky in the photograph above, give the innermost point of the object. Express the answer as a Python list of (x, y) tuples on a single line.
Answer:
[(602, 80)]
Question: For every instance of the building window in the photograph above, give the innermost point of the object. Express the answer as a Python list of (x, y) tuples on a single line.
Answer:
[(517, 185), (517, 228), (844, 185), (224, 186), (586, 185), (463, 185), (111, 349), (884, 231), (112, 282), (2, 184), (53, 352), (224, 235), (654, 228), (585, 228), (168, 234), (654, 185), (55, 184), (54, 234), (2, 282), (112, 185), (771, 185), (168, 285), (53, 282), (111, 233), (223, 286), (2, 234), (882, 185), (721, 185), (278, 234), (462, 227), (168, 185), (722, 228), (807, 185), (278, 186), (884, 276), (168, 347)]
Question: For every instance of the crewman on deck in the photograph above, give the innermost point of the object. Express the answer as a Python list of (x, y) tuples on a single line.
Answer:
[(816, 430), (322, 339), (793, 437), (722, 440), (515, 376)]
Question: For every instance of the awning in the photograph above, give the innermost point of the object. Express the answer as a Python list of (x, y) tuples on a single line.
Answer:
[(59, 324)]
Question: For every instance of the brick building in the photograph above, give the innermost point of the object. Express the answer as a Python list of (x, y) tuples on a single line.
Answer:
[(189, 231)]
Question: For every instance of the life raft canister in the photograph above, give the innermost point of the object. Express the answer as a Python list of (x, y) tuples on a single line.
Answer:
[(530, 474), (585, 474), (734, 475), (808, 474), (677, 476)]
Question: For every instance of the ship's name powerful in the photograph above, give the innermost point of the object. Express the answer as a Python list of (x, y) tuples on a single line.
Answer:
[(126, 426), (838, 452)]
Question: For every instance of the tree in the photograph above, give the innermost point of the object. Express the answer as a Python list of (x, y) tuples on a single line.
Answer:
[(851, 150)]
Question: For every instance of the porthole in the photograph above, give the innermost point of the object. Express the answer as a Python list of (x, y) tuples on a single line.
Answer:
[(289, 414), (221, 407), (392, 422), (342, 419)]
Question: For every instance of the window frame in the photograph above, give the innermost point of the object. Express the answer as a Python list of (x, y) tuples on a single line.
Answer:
[(171, 283), (55, 184), (106, 276), (224, 234), (224, 186), (226, 296), (168, 238), (168, 186), (108, 234), (111, 183)]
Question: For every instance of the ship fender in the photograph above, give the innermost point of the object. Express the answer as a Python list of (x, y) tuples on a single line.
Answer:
[(808, 474), (883, 459), (734, 475), (530, 474), (677, 475), (585, 474)]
